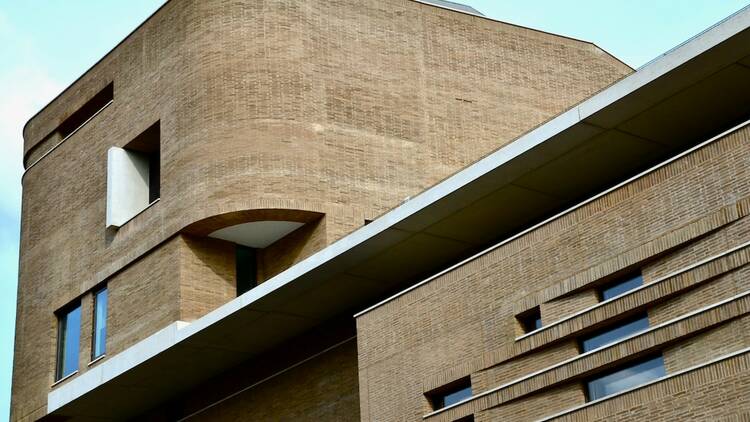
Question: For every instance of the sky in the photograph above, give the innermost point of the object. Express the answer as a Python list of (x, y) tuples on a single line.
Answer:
[(46, 44)]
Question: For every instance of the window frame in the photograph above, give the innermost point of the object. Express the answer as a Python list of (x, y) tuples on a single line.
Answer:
[(629, 366), (95, 323), (602, 291), (437, 396), (62, 352), (608, 329), (530, 320)]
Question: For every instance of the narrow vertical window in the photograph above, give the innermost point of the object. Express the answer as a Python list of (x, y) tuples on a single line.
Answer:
[(99, 338), (68, 340), (246, 268)]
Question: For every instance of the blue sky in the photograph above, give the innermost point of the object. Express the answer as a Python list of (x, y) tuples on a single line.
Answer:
[(46, 44)]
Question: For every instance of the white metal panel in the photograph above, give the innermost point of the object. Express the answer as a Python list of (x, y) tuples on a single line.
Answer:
[(127, 185)]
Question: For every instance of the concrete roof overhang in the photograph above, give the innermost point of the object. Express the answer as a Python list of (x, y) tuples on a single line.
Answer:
[(682, 98)]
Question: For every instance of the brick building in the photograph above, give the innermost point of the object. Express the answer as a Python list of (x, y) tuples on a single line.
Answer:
[(386, 210)]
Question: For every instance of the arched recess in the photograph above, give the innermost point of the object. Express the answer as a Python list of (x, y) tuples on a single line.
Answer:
[(230, 253), (258, 228)]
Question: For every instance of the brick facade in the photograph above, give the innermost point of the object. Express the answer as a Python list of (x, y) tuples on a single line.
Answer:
[(330, 113), (684, 226)]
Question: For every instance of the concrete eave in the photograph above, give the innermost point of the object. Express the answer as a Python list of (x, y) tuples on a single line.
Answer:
[(680, 99)]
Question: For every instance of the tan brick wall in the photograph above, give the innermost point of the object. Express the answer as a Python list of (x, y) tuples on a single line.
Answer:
[(310, 377), (561, 307), (291, 249), (207, 276), (138, 307), (718, 392), (462, 323), (321, 389), (537, 406), (512, 369), (339, 108), (722, 340)]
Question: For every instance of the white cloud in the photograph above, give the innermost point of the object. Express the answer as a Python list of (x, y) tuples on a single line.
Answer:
[(24, 89)]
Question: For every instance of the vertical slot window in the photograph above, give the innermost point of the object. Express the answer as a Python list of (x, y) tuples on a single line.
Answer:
[(68, 340), (99, 337), (246, 268)]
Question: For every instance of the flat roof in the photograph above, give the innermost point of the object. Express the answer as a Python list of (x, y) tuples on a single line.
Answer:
[(682, 98)]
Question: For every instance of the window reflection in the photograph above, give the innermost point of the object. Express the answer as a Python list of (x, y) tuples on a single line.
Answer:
[(622, 379), (68, 341), (100, 323), (614, 333), (620, 287)]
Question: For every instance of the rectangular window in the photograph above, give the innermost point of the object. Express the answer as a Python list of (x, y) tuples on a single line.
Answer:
[(99, 337), (530, 320), (626, 377), (611, 334), (68, 340), (133, 176), (87, 111), (620, 287), (450, 394), (246, 268)]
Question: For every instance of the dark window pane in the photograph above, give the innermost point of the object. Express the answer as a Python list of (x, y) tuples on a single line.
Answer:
[(627, 377), (246, 271), (100, 324), (530, 320), (147, 145), (69, 337), (154, 171), (87, 111), (450, 394), (621, 286), (614, 333), (456, 396)]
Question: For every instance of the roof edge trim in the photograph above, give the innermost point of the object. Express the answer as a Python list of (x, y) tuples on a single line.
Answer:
[(558, 215)]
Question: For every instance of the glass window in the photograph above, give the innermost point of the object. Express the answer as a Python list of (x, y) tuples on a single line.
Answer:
[(451, 393), (612, 334), (68, 340), (621, 286), (530, 320), (246, 268), (99, 338), (626, 377)]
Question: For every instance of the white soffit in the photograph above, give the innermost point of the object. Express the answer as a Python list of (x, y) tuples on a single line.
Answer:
[(257, 234), (127, 185)]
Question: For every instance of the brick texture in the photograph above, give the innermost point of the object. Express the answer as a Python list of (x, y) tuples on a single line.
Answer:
[(335, 109), (667, 224)]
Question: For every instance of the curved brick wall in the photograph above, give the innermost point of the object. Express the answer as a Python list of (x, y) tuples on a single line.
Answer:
[(335, 108)]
